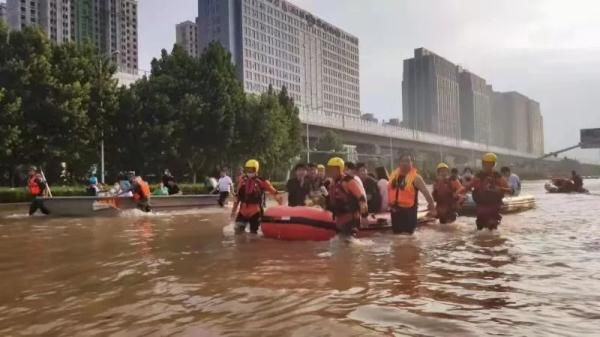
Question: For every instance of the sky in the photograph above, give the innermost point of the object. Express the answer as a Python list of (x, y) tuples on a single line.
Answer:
[(548, 50)]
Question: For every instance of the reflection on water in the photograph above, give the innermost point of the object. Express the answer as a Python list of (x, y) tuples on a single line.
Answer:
[(187, 275)]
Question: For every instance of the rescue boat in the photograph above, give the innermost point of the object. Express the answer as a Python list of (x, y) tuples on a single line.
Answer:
[(509, 205), (315, 224), (563, 186)]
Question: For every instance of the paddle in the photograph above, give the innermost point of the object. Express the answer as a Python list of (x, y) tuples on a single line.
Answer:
[(46, 182)]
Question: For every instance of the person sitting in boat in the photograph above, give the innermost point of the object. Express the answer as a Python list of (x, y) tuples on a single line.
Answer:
[(141, 193), (514, 182), (489, 188), (250, 198), (405, 183), (577, 182), (371, 188), (454, 175), (316, 179), (37, 187), (383, 184), (467, 176), (446, 194), (350, 170), (298, 187), (346, 199)]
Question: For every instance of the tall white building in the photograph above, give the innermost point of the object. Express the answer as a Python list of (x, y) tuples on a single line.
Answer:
[(186, 37), (274, 42), (53, 16), (110, 24)]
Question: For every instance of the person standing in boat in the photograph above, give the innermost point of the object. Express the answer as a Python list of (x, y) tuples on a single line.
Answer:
[(346, 199), (250, 197), (577, 182), (224, 185), (141, 193), (298, 187), (371, 188), (489, 188), (403, 197), (446, 194), (37, 187), (514, 182)]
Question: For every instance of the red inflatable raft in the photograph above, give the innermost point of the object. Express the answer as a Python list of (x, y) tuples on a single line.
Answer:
[(315, 224)]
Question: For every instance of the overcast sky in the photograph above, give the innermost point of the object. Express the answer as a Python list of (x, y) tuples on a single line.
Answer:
[(548, 50)]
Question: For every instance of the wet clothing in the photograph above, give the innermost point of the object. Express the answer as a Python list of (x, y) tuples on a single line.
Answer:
[(514, 182), (298, 191), (383, 185), (445, 194), (223, 197), (36, 187), (251, 197), (141, 194), (344, 201), (403, 200), (488, 192), (373, 195), (577, 182)]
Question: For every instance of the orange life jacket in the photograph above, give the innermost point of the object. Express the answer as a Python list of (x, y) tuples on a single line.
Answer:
[(340, 200), (486, 189), (251, 191), (401, 190), (443, 192), (33, 186), (143, 189)]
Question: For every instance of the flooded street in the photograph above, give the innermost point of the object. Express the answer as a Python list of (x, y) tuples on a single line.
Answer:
[(187, 275)]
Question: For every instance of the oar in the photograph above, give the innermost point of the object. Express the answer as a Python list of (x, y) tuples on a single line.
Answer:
[(46, 182)]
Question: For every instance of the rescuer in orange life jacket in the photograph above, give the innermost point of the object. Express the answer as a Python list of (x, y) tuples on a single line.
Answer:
[(446, 194), (405, 183), (36, 185), (345, 198), (489, 188), (141, 192), (250, 198)]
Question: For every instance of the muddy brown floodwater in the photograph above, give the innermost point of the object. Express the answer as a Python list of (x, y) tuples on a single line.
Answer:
[(187, 275)]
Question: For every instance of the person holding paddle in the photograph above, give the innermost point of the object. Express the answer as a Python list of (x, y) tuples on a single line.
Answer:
[(37, 187)]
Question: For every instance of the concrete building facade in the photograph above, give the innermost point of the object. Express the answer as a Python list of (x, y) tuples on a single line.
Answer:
[(536, 128), (110, 24), (273, 42), (431, 94), (475, 108), (186, 36)]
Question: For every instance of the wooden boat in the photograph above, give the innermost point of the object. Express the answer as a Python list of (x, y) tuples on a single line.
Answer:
[(107, 206), (510, 205), (315, 224)]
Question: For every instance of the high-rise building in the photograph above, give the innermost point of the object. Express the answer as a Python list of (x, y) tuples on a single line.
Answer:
[(536, 128), (110, 24), (273, 42), (430, 94), (475, 108), (187, 37), (502, 115), (53, 16), (3, 15)]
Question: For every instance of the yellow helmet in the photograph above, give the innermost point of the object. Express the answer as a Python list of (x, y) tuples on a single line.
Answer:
[(443, 166), (490, 158), (337, 162), (252, 163), (320, 167)]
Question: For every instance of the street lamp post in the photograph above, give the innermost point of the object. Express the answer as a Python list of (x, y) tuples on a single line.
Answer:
[(100, 71)]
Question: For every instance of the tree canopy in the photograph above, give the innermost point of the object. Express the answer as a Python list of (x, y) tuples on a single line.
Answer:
[(191, 115)]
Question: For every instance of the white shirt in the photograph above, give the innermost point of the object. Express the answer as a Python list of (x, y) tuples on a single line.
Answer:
[(224, 184), (383, 191), (514, 182)]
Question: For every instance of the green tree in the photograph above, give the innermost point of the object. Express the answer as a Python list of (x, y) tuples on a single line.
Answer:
[(330, 141)]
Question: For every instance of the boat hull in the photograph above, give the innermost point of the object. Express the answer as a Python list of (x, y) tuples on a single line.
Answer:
[(510, 205), (315, 224), (108, 206)]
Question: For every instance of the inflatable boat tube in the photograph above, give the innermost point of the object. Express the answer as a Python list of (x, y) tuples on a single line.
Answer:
[(510, 205)]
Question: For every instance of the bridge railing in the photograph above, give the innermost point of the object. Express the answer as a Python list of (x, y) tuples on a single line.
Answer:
[(356, 124)]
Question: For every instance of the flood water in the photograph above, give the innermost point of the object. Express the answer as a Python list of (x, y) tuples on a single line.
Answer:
[(188, 275)]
